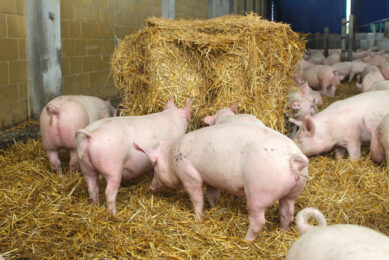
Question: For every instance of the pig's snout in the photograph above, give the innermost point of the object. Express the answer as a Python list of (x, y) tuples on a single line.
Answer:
[(153, 187), (296, 106)]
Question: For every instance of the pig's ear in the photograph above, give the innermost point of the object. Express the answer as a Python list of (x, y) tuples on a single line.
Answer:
[(368, 129), (114, 112), (304, 89), (170, 104), (210, 120), (187, 109), (151, 154), (234, 108), (296, 122), (309, 125)]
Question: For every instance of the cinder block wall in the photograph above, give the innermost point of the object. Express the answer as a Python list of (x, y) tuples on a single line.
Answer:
[(89, 32), (13, 63)]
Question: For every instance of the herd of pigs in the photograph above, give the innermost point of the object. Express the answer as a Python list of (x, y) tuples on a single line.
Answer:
[(237, 153)]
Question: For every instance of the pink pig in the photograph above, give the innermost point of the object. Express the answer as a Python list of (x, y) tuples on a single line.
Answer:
[(322, 76), (230, 115), (376, 60), (62, 117), (340, 124), (370, 75), (243, 159), (384, 68), (379, 144), (380, 85), (350, 68), (341, 241), (106, 147)]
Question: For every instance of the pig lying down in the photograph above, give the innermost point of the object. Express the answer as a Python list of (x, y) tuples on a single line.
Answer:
[(336, 242), (379, 144), (340, 126), (62, 117), (241, 158), (370, 75), (105, 147), (380, 85)]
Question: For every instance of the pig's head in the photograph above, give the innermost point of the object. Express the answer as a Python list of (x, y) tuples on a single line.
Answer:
[(301, 105), (221, 114), (163, 177), (311, 138)]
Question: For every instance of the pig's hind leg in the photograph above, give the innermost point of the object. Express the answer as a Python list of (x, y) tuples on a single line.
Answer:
[(193, 183), (91, 178), (111, 191), (55, 163), (286, 207), (286, 212), (257, 202)]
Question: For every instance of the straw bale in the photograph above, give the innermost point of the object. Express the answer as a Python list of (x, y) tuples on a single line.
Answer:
[(215, 62), (44, 215)]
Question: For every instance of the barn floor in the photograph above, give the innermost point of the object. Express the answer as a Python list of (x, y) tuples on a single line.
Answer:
[(44, 215)]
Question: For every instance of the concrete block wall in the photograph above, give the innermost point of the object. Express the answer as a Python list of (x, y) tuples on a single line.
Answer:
[(13, 63), (89, 33)]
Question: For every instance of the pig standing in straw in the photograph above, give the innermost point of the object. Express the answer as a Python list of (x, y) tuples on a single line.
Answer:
[(246, 159), (336, 242), (62, 117), (106, 147), (340, 126)]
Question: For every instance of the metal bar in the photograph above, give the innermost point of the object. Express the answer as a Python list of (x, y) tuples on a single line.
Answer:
[(343, 40), (378, 21), (326, 41), (350, 37)]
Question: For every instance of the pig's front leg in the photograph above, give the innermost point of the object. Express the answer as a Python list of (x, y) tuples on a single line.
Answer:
[(339, 152), (333, 90), (351, 76), (213, 195), (354, 150)]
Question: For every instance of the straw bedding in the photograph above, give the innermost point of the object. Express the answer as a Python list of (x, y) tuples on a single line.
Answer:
[(44, 215), (48, 216), (215, 62)]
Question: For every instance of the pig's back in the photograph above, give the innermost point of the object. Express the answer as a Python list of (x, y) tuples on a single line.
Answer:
[(347, 114), (142, 129), (346, 242), (224, 153)]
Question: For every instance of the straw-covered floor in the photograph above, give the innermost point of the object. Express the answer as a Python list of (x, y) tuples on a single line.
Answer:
[(215, 62), (44, 215)]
